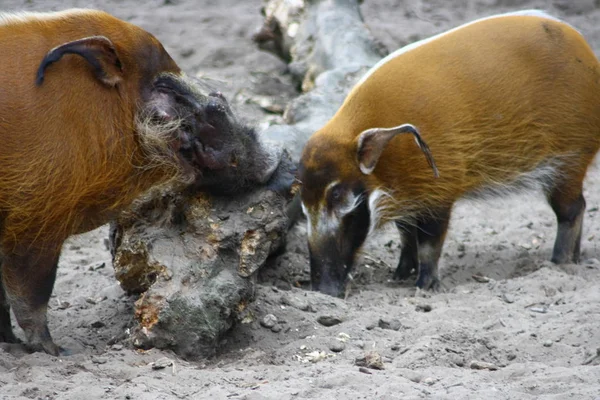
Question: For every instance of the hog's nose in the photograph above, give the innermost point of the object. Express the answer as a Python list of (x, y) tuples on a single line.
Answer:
[(215, 107)]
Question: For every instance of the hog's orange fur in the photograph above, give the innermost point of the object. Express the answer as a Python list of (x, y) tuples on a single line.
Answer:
[(494, 100), (69, 158)]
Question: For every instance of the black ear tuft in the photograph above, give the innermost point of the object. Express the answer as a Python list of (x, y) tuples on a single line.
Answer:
[(98, 51)]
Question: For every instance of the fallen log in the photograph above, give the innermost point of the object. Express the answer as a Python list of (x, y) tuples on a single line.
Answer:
[(193, 257), (328, 48)]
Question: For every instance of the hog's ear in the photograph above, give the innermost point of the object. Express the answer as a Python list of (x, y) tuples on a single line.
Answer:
[(98, 51), (372, 142)]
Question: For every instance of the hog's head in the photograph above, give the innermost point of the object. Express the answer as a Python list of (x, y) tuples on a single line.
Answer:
[(225, 155)]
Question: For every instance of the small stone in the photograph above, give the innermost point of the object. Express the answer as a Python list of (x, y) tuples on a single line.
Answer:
[(539, 310), (428, 381), (507, 298), (161, 363), (395, 347), (336, 346), (548, 343), (329, 320), (97, 266), (393, 325), (295, 302), (365, 371), (96, 300), (511, 356), (480, 278), (360, 344), (482, 365), (370, 360), (99, 360), (268, 321), (276, 328), (423, 307), (117, 347)]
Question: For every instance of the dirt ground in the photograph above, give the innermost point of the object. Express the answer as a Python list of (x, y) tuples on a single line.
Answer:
[(536, 324)]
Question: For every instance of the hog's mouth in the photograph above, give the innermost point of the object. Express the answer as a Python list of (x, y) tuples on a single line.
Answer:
[(215, 151), (204, 135)]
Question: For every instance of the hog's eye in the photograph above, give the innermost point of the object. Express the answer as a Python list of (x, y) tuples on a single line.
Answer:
[(336, 193)]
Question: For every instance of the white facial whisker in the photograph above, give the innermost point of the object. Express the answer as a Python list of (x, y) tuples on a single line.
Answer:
[(308, 219), (351, 202), (375, 208)]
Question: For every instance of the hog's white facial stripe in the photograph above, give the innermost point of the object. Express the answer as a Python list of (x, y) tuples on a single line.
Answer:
[(349, 204), (327, 222), (375, 208), (304, 210), (308, 219)]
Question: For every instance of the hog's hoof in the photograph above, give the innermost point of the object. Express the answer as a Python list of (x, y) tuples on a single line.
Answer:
[(403, 272), (430, 283), (47, 347), (64, 352)]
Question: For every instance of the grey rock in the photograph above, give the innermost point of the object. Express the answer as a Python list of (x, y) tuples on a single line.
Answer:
[(508, 298), (295, 301), (161, 363), (393, 325), (268, 321), (99, 360), (329, 320), (337, 346)]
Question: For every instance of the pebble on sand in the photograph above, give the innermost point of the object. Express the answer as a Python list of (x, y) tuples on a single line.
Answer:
[(161, 363), (329, 320), (507, 298), (337, 346), (483, 365), (268, 321), (423, 307), (371, 360), (295, 302)]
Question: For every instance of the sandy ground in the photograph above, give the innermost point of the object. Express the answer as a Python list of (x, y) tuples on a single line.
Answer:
[(538, 324)]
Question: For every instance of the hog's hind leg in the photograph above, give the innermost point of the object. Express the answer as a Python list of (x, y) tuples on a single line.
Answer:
[(6, 332), (409, 256), (28, 276), (430, 235), (569, 207)]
